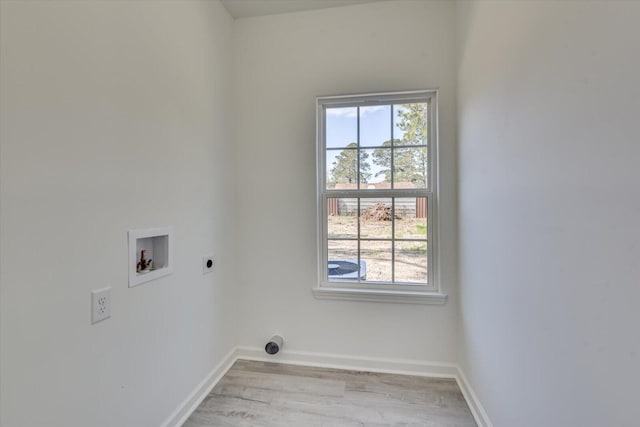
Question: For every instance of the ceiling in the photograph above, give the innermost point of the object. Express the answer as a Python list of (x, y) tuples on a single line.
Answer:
[(248, 8)]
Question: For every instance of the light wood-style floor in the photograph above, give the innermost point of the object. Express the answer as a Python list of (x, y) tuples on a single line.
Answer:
[(261, 394)]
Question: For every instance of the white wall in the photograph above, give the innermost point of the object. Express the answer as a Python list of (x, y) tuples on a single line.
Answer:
[(115, 115), (282, 63), (549, 208), (120, 115)]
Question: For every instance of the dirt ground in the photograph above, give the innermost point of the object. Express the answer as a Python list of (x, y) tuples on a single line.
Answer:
[(410, 256)]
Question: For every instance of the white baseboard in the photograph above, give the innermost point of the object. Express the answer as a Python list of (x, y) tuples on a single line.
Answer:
[(336, 361), (193, 400), (477, 410)]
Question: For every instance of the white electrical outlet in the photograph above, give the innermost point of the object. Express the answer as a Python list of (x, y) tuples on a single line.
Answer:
[(207, 264), (100, 304)]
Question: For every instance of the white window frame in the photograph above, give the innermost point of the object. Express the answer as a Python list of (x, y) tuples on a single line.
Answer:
[(429, 293)]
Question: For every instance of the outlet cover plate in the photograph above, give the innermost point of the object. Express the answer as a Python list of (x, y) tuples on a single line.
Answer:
[(208, 263), (100, 304)]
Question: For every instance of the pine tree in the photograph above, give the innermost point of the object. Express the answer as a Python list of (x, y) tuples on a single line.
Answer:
[(410, 164), (344, 169)]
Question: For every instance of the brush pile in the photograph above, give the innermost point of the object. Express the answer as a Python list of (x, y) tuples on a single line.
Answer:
[(378, 212)]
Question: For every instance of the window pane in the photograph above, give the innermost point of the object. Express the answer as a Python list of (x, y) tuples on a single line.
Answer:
[(410, 123), (342, 218), (343, 261), (410, 167), (411, 217), (411, 262), (377, 258), (376, 218), (375, 166), (341, 126), (375, 125), (342, 171)]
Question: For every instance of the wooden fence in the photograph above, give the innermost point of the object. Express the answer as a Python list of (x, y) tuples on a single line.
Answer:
[(404, 207)]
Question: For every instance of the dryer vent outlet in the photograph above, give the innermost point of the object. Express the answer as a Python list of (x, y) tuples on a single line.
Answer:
[(274, 345)]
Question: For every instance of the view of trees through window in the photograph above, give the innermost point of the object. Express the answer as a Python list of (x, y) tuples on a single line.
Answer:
[(398, 155)]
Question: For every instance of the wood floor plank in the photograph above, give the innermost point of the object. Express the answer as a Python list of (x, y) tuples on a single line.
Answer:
[(262, 394)]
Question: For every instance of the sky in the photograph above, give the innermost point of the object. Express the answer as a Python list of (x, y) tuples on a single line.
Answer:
[(375, 129)]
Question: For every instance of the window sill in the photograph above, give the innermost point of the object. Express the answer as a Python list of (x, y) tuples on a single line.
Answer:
[(403, 297)]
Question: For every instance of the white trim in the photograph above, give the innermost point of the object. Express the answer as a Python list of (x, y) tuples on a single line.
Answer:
[(368, 294), (375, 97), (336, 361), (476, 408), (354, 363), (434, 171), (429, 293), (180, 415)]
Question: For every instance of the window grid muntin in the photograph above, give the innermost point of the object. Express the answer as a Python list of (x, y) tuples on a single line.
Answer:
[(393, 225)]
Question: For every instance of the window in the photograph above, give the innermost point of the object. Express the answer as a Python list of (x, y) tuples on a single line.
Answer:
[(376, 197)]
